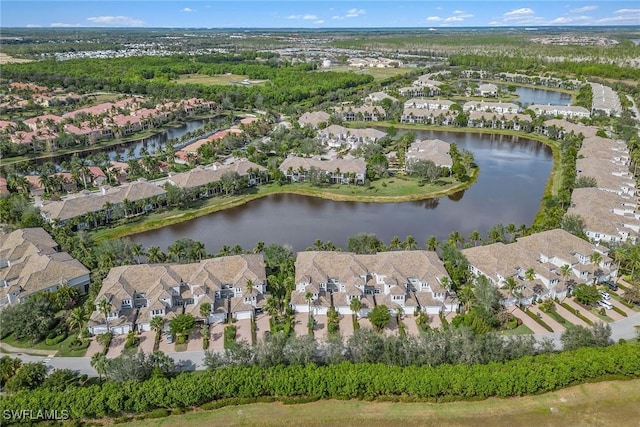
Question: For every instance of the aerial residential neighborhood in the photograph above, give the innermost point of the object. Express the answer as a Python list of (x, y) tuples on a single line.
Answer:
[(318, 215)]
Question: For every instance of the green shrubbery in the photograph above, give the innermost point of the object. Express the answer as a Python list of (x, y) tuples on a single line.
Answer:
[(527, 375)]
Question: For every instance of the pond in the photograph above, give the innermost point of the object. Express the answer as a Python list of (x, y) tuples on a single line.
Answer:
[(529, 95), (513, 173)]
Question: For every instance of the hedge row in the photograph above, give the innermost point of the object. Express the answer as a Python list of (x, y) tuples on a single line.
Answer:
[(528, 375)]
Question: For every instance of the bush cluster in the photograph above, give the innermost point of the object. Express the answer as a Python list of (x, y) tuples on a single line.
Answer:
[(527, 375)]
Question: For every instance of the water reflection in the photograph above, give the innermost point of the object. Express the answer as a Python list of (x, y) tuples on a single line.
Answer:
[(513, 173)]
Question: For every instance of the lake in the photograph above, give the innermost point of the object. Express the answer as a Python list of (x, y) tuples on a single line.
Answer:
[(530, 96), (513, 173)]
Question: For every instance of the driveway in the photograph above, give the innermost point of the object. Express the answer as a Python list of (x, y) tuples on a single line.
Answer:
[(300, 327), (570, 317), (320, 332), (529, 322), (195, 340), (262, 325), (243, 331), (117, 346), (410, 325), (557, 327), (621, 306), (582, 310), (346, 326), (435, 321), (146, 341), (217, 336), (94, 347)]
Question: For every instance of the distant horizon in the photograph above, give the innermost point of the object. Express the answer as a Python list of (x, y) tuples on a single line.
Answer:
[(317, 14)]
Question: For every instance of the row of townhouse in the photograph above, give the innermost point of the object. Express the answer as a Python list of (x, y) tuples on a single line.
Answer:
[(540, 80), (428, 104), (496, 107), (336, 136), (566, 111), (110, 202), (442, 117), (609, 208), (435, 150), (231, 287), (207, 181), (366, 113), (405, 280), (544, 254), (139, 197), (31, 261), (102, 121), (337, 171)]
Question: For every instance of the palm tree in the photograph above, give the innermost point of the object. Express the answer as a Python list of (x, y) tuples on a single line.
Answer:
[(105, 307), (77, 318), (432, 243), (137, 251), (410, 243), (455, 238), (565, 272), (474, 236), (511, 284), (155, 255), (355, 305), (308, 296), (205, 311), (271, 306), (596, 258), (156, 324), (395, 243), (466, 297), (198, 251), (259, 247), (100, 363)]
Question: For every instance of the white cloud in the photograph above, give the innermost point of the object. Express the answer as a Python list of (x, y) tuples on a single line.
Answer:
[(434, 18), (121, 21), (352, 13), (188, 10), (307, 17), (520, 12), (571, 20), (454, 19), (627, 11), (63, 25), (337, 17), (458, 12), (34, 25), (319, 21), (584, 9)]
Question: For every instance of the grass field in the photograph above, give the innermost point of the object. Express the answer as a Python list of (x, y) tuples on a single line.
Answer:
[(600, 404), (6, 59), (220, 80), (377, 73)]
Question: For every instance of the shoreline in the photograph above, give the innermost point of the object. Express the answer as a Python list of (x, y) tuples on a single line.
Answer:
[(210, 206)]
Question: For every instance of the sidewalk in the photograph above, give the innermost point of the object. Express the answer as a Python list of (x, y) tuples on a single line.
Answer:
[(10, 349)]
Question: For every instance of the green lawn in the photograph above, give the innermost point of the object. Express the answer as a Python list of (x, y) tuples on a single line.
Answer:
[(520, 330), (219, 80), (377, 73), (601, 404), (61, 349)]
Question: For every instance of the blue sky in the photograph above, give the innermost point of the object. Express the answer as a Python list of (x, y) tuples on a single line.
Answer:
[(315, 14)]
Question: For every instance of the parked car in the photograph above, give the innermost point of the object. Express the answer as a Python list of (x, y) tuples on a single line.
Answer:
[(605, 304), (605, 295), (611, 285), (169, 339)]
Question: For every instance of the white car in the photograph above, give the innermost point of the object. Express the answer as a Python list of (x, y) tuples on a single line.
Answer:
[(605, 295), (605, 304)]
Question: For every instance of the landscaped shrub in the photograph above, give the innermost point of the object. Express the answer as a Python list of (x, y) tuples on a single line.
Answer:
[(78, 344), (246, 384), (56, 339), (230, 332)]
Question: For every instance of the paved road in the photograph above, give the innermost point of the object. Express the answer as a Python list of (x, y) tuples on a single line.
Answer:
[(190, 360)]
